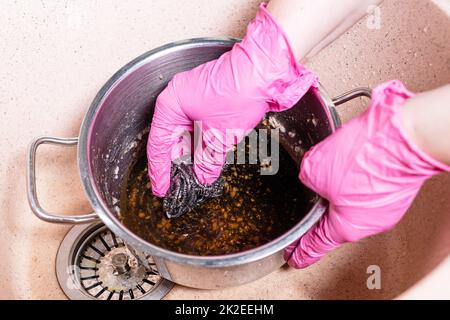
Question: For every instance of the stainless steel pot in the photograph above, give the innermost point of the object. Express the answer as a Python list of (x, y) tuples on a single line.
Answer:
[(121, 113)]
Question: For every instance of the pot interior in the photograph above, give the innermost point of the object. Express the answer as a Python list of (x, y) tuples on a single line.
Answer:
[(124, 109)]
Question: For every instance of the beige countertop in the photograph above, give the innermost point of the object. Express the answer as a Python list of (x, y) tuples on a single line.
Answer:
[(57, 54)]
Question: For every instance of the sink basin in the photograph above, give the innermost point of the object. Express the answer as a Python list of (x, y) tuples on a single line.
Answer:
[(49, 83)]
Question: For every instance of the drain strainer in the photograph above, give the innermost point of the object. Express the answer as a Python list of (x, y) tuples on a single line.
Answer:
[(93, 264)]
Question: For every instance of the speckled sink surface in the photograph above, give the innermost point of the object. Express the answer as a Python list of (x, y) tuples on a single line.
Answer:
[(57, 54)]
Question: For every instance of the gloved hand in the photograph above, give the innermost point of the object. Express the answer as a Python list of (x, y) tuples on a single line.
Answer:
[(258, 75), (370, 173)]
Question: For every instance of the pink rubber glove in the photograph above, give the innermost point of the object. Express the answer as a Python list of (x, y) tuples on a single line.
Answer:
[(258, 75), (370, 173)]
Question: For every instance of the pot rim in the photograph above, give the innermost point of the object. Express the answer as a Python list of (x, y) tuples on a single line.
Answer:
[(114, 224)]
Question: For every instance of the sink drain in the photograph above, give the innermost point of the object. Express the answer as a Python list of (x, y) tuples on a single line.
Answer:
[(93, 264)]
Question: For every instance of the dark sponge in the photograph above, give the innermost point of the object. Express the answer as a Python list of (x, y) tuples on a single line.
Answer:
[(186, 191)]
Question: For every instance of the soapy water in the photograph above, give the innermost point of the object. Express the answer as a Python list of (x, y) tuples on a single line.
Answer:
[(251, 210)]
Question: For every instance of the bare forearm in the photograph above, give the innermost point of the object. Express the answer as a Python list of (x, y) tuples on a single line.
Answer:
[(311, 25), (426, 120)]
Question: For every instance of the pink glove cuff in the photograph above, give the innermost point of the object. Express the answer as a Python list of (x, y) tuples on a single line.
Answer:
[(285, 80), (380, 128)]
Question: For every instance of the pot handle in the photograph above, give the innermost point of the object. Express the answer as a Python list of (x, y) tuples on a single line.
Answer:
[(353, 94), (31, 184), (345, 97)]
